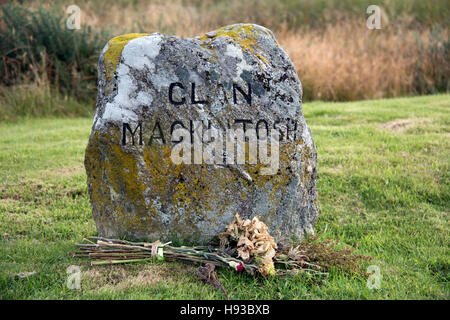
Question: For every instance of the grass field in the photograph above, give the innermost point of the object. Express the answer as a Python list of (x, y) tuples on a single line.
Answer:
[(384, 176)]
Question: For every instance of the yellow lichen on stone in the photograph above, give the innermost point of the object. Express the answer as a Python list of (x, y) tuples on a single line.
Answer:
[(178, 184), (184, 187), (115, 47), (243, 34)]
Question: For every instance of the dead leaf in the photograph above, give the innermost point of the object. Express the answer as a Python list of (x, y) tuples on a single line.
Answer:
[(253, 241), (209, 276), (24, 275)]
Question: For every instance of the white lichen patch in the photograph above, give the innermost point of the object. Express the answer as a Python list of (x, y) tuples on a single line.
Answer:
[(137, 54), (236, 52)]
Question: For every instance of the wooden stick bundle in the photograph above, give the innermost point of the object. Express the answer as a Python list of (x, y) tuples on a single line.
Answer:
[(107, 251)]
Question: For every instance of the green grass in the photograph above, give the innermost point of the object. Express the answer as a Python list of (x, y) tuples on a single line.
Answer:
[(34, 101), (381, 185)]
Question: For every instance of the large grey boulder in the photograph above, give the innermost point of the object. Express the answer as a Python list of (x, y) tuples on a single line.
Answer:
[(153, 86)]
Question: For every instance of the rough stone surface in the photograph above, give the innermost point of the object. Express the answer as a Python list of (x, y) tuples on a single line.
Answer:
[(136, 190)]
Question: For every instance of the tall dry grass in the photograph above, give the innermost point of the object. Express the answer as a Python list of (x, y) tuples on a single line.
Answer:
[(347, 61), (342, 60), (338, 59)]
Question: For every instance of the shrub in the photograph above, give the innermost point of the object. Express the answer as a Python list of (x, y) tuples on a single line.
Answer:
[(36, 45), (432, 67)]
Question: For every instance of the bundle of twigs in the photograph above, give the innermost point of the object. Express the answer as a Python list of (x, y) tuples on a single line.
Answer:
[(114, 251), (104, 251), (246, 245)]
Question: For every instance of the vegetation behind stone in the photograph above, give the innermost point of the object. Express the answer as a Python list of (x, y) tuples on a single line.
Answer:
[(337, 58)]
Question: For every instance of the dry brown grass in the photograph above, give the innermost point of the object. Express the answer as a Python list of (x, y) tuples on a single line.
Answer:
[(339, 61), (350, 62), (401, 125), (122, 278), (342, 61)]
